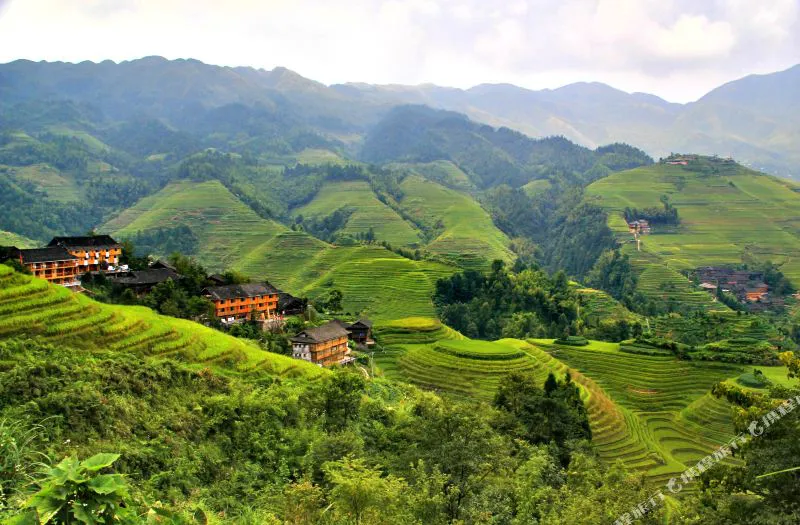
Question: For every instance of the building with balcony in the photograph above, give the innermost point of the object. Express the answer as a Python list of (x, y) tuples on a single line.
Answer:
[(54, 264), (324, 345), (237, 302), (94, 252)]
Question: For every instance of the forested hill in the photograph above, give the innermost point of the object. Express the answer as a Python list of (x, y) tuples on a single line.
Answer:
[(488, 155), (754, 119)]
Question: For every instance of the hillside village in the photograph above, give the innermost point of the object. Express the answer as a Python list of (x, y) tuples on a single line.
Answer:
[(67, 261)]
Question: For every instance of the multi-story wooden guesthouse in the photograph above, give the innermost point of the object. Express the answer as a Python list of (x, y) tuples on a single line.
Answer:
[(236, 302), (324, 345), (54, 264), (94, 252)]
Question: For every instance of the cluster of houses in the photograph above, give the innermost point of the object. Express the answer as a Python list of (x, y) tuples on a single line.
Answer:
[(639, 227), (66, 259), (748, 286)]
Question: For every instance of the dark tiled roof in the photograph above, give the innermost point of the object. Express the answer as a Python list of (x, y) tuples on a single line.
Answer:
[(147, 277), (49, 254), (233, 291), (159, 264), (286, 299), (9, 252), (365, 322), (320, 334), (84, 241)]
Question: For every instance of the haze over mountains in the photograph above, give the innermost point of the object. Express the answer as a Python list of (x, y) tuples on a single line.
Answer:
[(755, 119)]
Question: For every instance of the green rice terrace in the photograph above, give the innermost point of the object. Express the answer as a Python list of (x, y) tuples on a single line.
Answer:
[(33, 308), (722, 214), (12, 239), (234, 236), (368, 212), (464, 232), (653, 412), (667, 285)]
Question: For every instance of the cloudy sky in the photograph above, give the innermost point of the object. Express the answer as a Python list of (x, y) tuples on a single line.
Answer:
[(677, 49)]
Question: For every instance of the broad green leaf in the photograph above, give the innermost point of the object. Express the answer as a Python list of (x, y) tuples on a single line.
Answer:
[(99, 461), (48, 508), (27, 518), (107, 483), (81, 514)]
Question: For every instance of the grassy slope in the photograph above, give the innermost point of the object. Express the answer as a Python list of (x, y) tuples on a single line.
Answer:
[(225, 226), (372, 279), (598, 306), (653, 413), (33, 308), (722, 216), (444, 172), (469, 239), (12, 239), (368, 212)]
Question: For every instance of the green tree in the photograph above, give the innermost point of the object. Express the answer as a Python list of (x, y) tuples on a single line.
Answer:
[(363, 495)]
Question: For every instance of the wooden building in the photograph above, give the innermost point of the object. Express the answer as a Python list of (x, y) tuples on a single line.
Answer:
[(54, 264), (142, 281), (361, 332), (288, 304), (236, 302), (94, 252), (324, 345)]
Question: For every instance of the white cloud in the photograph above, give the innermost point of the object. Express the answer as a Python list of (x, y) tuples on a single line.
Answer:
[(676, 48)]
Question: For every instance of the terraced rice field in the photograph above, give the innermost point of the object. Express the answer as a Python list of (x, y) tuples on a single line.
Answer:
[(443, 172), (666, 402), (33, 308), (721, 326), (58, 186), (225, 227), (597, 306), (469, 238), (722, 216), (654, 413), (12, 239), (456, 365), (660, 282), (368, 212)]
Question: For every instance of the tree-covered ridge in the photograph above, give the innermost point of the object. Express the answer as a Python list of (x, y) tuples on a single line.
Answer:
[(522, 303), (489, 156)]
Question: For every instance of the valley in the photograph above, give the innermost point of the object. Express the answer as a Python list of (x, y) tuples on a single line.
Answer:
[(526, 302)]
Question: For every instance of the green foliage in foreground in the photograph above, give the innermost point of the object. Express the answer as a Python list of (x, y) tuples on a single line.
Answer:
[(258, 449)]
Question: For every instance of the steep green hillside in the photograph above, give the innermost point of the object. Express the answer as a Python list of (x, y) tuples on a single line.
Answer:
[(464, 232), (225, 227), (12, 239), (373, 280), (444, 172), (367, 212), (33, 308), (722, 215), (654, 413)]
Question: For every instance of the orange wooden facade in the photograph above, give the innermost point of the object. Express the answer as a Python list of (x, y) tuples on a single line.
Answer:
[(329, 352), (96, 258), (57, 272), (241, 307)]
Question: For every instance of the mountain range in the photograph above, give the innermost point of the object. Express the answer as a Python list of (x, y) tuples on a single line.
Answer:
[(755, 119)]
